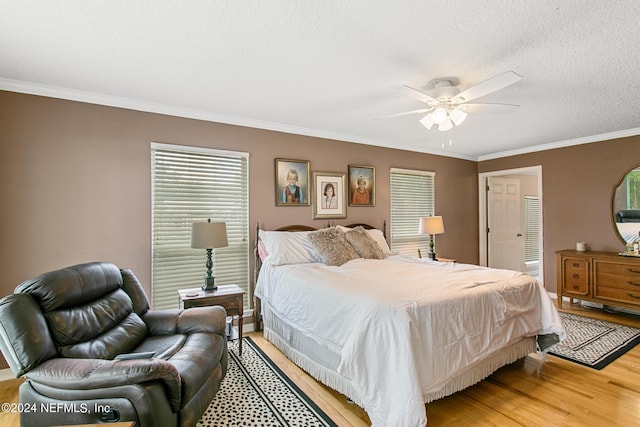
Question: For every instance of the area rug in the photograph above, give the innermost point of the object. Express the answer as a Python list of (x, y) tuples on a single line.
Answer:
[(594, 343), (255, 392)]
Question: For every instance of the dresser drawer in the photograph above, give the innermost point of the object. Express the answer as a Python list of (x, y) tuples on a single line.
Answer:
[(618, 294), (625, 277), (576, 276)]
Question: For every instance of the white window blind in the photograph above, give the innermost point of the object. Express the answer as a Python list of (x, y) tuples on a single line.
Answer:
[(190, 185), (532, 229), (412, 197)]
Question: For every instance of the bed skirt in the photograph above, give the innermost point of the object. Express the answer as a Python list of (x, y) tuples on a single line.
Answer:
[(321, 362)]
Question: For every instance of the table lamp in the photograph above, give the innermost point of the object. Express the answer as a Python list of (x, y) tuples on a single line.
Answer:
[(209, 235), (431, 225)]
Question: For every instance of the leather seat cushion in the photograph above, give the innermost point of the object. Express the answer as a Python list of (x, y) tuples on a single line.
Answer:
[(164, 346)]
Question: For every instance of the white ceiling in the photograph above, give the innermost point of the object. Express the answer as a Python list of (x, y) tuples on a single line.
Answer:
[(326, 68)]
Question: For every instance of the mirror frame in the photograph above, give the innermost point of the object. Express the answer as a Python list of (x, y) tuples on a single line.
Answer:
[(612, 211)]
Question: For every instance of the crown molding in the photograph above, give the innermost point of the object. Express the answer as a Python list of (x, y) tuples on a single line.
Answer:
[(170, 110), (562, 144)]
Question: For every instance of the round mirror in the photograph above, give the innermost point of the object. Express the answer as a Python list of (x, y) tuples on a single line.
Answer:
[(626, 206)]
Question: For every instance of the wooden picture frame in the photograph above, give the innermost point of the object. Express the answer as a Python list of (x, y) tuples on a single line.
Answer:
[(292, 182), (365, 196), (330, 200)]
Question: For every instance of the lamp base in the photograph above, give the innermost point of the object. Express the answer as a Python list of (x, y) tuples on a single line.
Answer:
[(432, 256), (209, 284)]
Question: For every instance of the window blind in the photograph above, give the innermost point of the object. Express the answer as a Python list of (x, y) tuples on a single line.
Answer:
[(532, 229), (190, 185), (412, 197)]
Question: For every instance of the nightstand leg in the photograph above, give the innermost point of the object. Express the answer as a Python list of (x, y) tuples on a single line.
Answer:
[(240, 334)]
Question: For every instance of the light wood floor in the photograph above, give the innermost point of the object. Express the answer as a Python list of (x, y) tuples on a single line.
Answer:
[(531, 392)]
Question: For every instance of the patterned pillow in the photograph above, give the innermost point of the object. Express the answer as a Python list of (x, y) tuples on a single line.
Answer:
[(376, 235), (332, 246), (363, 243)]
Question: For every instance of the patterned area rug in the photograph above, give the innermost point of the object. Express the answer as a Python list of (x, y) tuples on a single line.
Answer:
[(255, 392), (594, 343)]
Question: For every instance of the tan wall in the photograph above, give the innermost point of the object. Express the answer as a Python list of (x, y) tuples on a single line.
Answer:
[(577, 187), (76, 183)]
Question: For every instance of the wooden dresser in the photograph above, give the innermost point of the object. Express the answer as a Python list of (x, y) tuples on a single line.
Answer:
[(603, 277)]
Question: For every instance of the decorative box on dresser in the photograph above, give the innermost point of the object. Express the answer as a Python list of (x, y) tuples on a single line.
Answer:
[(603, 277)]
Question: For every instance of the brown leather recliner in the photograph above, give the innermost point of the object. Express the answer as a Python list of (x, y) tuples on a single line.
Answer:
[(64, 330)]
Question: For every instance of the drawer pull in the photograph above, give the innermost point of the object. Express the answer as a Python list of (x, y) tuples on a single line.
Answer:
[(575, 276), (631, 270), (629, 282), (576, 265), (576, 287), (633, 296)]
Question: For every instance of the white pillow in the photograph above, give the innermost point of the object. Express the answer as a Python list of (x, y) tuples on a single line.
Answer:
[(377, 235), (288, 247)]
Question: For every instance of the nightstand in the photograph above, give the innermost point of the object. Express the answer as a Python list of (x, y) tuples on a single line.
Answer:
[(228, 296)]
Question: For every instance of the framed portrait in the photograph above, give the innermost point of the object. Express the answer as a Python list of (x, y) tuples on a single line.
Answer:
[(362, 185), (292, 182), (330, 200)]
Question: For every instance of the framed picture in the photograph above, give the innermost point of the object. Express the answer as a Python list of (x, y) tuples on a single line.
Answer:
[(362, 185), (330, 199), (292, 182)]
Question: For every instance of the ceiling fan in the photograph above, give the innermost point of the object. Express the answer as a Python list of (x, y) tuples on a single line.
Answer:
[(447, 106)]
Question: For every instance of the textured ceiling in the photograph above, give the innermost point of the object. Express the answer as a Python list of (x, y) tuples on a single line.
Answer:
[(327, 68)]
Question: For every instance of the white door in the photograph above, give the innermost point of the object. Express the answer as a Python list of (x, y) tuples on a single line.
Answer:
[(505, 237)]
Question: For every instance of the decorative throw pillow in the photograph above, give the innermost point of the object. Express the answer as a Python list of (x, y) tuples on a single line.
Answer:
[(332, 246), (363, 243), (375, 234)]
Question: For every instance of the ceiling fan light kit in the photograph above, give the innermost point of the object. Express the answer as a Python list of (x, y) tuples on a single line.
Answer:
[(447, 106), (445, 117), (457, 116)]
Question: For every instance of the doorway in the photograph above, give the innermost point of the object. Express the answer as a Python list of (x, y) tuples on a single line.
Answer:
[(511, 220)]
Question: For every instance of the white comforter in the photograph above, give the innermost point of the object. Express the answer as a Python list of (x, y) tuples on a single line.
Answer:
[(404, 326)]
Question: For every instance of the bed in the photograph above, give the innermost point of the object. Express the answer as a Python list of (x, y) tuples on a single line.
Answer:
[(391, 332)]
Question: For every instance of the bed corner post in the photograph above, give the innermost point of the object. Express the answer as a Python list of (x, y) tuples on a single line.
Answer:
[(257, 309), (384, 229)]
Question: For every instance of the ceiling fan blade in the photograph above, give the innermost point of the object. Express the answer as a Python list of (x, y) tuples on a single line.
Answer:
[(406, 113), (488, 86), (488, 108), (417, 94)]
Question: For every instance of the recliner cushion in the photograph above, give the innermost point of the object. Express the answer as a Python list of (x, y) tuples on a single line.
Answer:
[(164, 346), (122, 338), (25, 342), (101, 330), (72, 286), (131, 285), (90, 316)]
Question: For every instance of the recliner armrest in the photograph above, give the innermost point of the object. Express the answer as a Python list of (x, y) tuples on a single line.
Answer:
[(197, 319), (88, 374)]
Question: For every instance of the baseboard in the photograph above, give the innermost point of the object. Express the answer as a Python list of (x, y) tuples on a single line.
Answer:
[(6, 374), (597, 305)]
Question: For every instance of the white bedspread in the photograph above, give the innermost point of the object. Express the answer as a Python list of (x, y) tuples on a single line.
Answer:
[(404, 326)]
